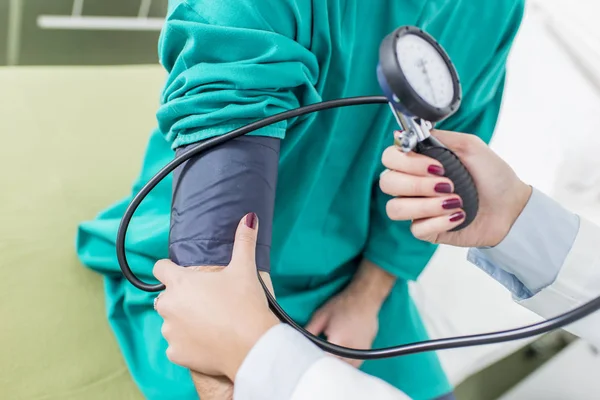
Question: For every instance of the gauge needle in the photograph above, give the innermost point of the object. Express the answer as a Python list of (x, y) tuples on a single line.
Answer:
[(423, 65)]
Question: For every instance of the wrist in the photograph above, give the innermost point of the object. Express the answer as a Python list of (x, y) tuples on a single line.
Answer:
[(520, 196), (372, 284)]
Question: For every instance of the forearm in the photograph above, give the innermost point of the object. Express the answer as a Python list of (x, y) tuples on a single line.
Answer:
[(212, 387)]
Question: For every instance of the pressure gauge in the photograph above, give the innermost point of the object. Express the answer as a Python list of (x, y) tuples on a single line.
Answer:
[(417, 75)]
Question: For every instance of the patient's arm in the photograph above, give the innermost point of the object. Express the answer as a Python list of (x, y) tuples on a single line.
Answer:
[(212, 387), (229, 63), (211, 193)]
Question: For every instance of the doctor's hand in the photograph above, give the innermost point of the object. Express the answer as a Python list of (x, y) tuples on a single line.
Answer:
[(213, 319), (424, 196)]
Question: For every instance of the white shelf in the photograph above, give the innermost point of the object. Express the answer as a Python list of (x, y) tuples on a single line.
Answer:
[(99, 23)]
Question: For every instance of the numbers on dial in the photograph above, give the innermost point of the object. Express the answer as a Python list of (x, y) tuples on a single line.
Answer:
[(425, 70)]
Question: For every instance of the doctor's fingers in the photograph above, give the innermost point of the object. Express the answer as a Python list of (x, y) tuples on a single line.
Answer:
[(412, 208), (162, 304), (411, 163), (400, 184), (429, 229)]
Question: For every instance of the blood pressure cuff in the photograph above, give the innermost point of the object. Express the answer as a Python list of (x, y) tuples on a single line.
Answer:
[(213, 191)]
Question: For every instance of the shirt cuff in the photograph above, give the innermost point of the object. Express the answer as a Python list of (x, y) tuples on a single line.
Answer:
[(532, 254), (275, 365)]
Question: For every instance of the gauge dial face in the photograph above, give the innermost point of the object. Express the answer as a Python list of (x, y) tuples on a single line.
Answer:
[(425, 70)]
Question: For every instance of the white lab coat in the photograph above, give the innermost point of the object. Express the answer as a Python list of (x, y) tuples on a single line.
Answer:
[(577, 283)]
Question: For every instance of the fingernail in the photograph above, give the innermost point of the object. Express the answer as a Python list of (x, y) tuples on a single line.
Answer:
[(435, 170), (457, 216), (451, 204), (251, 220), (443, 188)]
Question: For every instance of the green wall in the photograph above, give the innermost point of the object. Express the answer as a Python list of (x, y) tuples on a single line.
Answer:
[(81, 47), (3, 30)]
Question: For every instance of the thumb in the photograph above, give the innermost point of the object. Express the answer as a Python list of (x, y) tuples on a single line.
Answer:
[(244, 247), (455, 141), (166, 271)]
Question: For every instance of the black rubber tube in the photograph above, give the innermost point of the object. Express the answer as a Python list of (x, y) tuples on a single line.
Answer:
[(208, 144), (395, 351)]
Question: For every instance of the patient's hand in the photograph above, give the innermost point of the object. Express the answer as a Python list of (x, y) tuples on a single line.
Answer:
[(213, 316), (351, 318)]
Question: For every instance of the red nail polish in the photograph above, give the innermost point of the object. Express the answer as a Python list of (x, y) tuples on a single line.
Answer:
[(443, 188), (457, 216), (451, 204), (251, 220), (435, 170)]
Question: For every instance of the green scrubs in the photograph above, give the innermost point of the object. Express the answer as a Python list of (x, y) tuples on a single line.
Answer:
[(233, 62)]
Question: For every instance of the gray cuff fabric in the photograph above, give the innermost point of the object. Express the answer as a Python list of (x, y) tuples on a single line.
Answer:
[(275, 365), (212, 192)]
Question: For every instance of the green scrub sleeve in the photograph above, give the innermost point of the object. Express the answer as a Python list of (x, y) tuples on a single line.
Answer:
[(230, 63), (390, 244), (480, 106)]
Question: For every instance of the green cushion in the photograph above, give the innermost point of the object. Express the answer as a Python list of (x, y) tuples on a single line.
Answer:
[(72, 142)]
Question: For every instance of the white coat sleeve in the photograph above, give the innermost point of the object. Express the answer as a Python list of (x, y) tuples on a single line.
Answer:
[(330, 378), (534, 251), (577, 283), (284, 365)]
